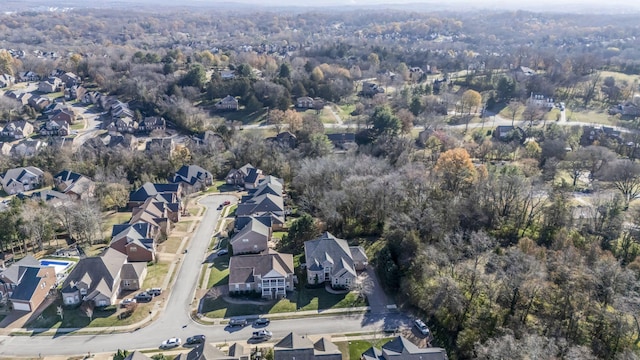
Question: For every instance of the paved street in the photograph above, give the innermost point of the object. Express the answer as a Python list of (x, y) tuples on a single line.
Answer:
[(175, 319)]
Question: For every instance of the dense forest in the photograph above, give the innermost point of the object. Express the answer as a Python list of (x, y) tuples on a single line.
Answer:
[(524, 247)]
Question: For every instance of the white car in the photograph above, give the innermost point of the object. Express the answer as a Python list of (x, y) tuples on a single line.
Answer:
[(171, 343), (422, 327)]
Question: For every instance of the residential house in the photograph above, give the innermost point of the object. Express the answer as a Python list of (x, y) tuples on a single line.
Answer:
[(22, 97), (70, 79), (239, 352), (27, 76), (269, 274), (134, 240), (124, 125), (75, 185), (74, 92), (508, 133), (63, 113), (541, 101), (522, 73), (151, 123), (627, 109), (193, 177), (285, 139), (100, 279), (164, 146), (55, 128), (21, 179), (39, 103), (51, 197), (371, 89), (5, 148), (137, 355), (237, 176), (158, 213), (171, 192), (252, 179), (120, 109), (6, 80), (266, 203), (342, 140), (17, 130), (401, 348), (332, 260), (251, 239), (91, 97), (206, 351), (304, 102), (26, 283), (27, 148), (51, 85), (297, 347), (227, 103)]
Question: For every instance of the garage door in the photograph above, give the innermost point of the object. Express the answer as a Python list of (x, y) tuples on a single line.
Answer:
[(21, 306)]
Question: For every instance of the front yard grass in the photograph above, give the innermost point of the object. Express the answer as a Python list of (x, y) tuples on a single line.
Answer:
[(219, 274), (591, 116), (156, 272), (182, 226), (171, 245), (75, 318), (219, 308)]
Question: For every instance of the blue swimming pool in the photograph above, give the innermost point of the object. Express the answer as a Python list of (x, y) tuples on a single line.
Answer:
[(54, 263)]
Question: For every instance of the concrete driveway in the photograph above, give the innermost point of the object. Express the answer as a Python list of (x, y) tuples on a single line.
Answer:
[(377, 299)]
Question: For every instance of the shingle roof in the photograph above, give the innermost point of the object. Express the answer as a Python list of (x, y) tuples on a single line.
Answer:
[(328, 248), (137, 355), (29, 281), (204, 351), (324, 346), (98, 272), (148, 189), (261, 264), (402, 349), (191, 174), (293, 341), (11, 273), (132, 270)]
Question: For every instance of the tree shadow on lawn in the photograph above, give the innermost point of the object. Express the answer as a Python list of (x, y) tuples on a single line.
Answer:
[(73, 317), (317, 298)]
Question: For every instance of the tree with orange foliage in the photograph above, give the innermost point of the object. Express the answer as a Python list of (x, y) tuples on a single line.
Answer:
[(455, 169)]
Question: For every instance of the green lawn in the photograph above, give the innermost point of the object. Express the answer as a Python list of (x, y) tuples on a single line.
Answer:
[(355, 348), (591, 116), (219, 272), (182, 226), (156, 272), (219, 308), (78, 126), (314, 299), (76, 318)]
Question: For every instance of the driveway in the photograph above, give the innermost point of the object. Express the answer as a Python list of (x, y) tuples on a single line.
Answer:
[(377, 299)]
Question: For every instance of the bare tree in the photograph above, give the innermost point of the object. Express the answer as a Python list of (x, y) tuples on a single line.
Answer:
[(624, 174)]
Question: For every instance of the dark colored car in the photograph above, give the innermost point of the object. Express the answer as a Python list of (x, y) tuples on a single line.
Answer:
[(262, 322), (237, 322), (195, 339), (154, 291), (143, 296)]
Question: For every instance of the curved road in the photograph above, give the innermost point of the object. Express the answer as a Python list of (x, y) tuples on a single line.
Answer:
[(175, 319)]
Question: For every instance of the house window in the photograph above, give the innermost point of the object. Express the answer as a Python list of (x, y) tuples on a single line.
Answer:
[(83, 291), (102, 303), (126, 283), (133, 249)]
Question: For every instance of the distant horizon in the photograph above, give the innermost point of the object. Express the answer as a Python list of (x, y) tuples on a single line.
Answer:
[(574, 6)]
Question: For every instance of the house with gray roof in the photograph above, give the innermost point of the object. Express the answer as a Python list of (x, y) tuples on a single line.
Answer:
[(171, 192), (297, 347), (401, 348), (269, 274), (205, 351), (193, 177), (236, 176), (100, 279), (17, 130), (137, 355), (75, 185), (26, 283), (134, 240), (261, 204), (253, 238), (332, 260), (21, 179)]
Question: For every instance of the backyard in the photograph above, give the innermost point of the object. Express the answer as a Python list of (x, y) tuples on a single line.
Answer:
[(355, 348)]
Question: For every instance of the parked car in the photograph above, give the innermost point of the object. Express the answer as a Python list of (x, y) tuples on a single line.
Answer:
[(227, 202), (154, 291), (391, 329), (195, 339), (422, 327), (222, 252), (262, 335), (171, 343), (143, 296), (262, 322), (237, 322), (220, 207), (126, 302)]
